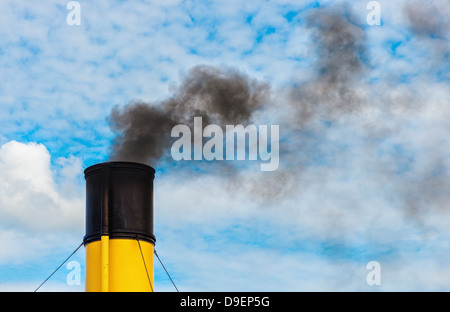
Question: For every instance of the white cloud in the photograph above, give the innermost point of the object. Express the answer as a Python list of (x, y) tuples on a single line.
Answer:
[(37, 214)]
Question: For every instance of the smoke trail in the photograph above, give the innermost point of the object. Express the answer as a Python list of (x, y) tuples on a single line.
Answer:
[(336, 92), (429, 22), (228, 96), (428, 18), (338, 98), (341, 50), (143, 132), (219, 95), (425, 188)]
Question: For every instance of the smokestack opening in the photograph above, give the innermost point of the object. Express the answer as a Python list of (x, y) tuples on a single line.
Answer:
[(119, 201)]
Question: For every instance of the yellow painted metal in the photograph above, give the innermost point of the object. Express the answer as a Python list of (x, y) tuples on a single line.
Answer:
[(93, 269), (127, 271), (105, 262)]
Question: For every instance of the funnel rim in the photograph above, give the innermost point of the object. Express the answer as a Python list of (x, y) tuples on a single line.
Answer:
[(119, 164)]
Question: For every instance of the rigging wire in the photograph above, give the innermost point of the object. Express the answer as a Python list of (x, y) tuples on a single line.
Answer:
[(143, 259), (149, 281), (59, 267), (156, 254)]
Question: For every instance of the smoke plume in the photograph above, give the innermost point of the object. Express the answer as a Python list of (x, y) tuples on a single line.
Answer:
[(219, 95), (337, 98), (341, 49)]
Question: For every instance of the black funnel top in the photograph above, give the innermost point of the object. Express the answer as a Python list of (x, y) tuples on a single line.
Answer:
[(119, 201)]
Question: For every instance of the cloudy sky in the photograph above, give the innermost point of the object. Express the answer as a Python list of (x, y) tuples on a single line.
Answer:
[(362, 109)]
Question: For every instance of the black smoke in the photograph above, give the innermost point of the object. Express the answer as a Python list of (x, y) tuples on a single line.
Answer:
[(218, 95), (336, 95)]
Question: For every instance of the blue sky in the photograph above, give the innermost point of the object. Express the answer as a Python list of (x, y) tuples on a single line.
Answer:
[(364, 163)]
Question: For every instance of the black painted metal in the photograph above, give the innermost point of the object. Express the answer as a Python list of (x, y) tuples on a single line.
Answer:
[(119, 201)]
